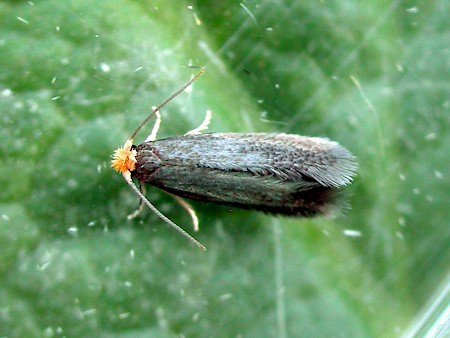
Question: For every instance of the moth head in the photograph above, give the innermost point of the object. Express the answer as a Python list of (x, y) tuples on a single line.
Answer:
[(124, 158)]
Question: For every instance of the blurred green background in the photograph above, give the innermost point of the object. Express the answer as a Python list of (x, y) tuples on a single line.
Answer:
[(76, 77)]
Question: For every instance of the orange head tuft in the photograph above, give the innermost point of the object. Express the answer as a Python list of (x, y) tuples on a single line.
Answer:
[(124, 158)]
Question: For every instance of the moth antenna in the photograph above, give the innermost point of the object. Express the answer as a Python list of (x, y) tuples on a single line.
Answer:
[(166, 101), (127, 176)]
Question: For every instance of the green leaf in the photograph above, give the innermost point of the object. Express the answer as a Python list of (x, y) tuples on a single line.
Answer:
[(77, 77)]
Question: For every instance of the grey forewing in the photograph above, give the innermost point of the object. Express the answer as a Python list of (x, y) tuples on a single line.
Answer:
[(287, 157)]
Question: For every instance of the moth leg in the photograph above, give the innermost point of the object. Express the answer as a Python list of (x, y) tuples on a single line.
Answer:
[(141, 202), (127, 176), (189, 209), (204, 125), (155, 129)]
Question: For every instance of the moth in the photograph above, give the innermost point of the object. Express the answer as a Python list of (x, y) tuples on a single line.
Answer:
[(281, 174)]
